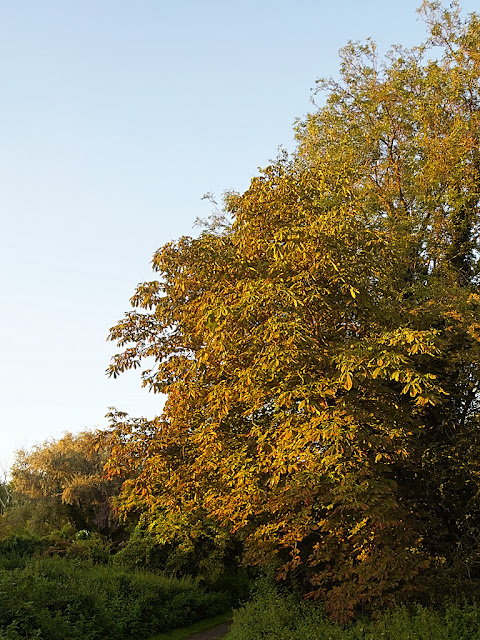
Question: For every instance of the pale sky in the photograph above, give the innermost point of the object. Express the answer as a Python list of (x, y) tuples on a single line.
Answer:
[(115, 118)]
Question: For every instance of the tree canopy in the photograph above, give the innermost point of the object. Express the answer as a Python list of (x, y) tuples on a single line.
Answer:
[(319, 345), (64, 480)]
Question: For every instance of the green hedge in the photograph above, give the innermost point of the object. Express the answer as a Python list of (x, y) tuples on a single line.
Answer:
[(55, 598)]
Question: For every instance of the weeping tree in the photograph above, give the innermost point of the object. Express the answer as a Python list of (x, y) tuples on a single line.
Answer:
[(318, 346), (61, 482)]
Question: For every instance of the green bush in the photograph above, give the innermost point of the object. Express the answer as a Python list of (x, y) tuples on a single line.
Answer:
[(236, 585), (83, 544), (275, 615), (181, 547), (57, 598), (142, 551), (17, 549), (21, 544)]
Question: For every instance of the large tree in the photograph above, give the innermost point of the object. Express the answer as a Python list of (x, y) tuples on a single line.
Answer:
[(319, 347)]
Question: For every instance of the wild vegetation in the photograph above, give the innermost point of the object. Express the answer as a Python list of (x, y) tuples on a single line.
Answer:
[(59, 599), (70, 569), (274, 615), (318, 345)]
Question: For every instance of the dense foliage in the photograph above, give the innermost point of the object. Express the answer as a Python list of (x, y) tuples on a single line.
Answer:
[(60, 599), (61, 483), (319, 346), (69, 570), (271, 615)]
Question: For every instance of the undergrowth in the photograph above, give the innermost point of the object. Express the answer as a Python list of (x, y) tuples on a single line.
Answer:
[(275, 615), (55, 598)]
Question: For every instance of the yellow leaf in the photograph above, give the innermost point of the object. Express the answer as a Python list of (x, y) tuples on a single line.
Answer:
[(348, 382)]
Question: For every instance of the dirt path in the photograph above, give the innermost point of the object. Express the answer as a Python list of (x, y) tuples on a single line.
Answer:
[(211, 634)]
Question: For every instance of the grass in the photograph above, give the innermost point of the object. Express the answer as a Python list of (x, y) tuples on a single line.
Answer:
[(202, 625)]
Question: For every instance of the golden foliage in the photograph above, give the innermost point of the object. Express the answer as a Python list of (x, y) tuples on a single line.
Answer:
[(320, 353)]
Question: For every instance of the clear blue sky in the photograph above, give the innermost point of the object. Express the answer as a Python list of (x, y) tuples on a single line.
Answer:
[(116, 117)]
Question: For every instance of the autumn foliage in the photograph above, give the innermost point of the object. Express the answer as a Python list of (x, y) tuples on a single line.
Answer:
[(319, 345)]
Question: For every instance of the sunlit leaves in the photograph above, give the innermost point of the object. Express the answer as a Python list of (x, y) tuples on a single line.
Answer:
[(66, 477), (320, 353)]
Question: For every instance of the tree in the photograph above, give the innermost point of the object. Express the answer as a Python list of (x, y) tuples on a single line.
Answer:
[(320, 352), (64, 478)]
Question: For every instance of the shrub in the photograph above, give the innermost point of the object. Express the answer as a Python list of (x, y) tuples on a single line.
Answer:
[(275, 615), (21, 544), (57, 598)]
